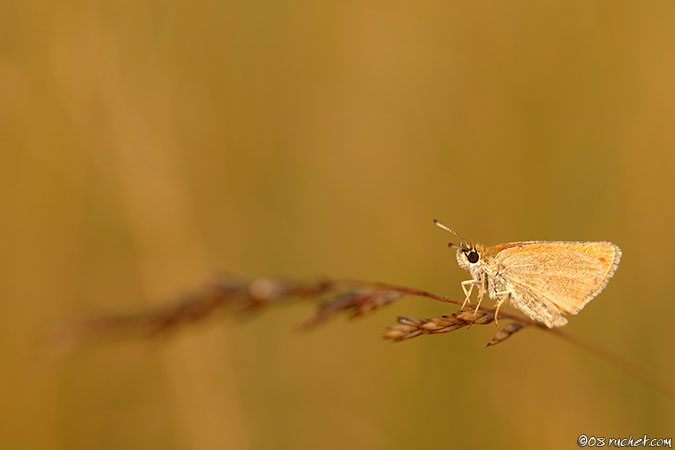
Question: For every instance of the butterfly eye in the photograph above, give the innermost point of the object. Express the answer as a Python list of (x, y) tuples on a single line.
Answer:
[(472, 256)]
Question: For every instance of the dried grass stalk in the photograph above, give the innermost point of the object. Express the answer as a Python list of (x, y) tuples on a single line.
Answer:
[(244, 297), (352, 297)]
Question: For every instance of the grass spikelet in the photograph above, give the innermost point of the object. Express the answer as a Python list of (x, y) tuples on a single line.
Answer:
[(505, 333), (410, 327)]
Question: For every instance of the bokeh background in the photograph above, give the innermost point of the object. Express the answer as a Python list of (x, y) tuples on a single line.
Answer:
[(146, 146)]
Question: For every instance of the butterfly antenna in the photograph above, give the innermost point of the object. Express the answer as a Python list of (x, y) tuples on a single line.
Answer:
[(447, 228)]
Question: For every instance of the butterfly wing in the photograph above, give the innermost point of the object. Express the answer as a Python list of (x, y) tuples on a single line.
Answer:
[(567, 274), (536, 306)]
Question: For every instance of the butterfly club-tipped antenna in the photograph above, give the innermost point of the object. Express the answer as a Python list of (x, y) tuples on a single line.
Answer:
[(463, 242)]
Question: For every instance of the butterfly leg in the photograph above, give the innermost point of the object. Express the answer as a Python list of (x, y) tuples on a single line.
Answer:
[(503, 296), (467, 291), (481, 290)]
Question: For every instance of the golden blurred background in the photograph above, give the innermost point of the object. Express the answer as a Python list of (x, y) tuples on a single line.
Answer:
[(148, 145)]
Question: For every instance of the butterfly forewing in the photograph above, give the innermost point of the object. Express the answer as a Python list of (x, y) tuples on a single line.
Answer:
[(569, 274)]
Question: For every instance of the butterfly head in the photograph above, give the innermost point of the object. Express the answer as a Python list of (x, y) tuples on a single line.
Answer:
[(469, 255)]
